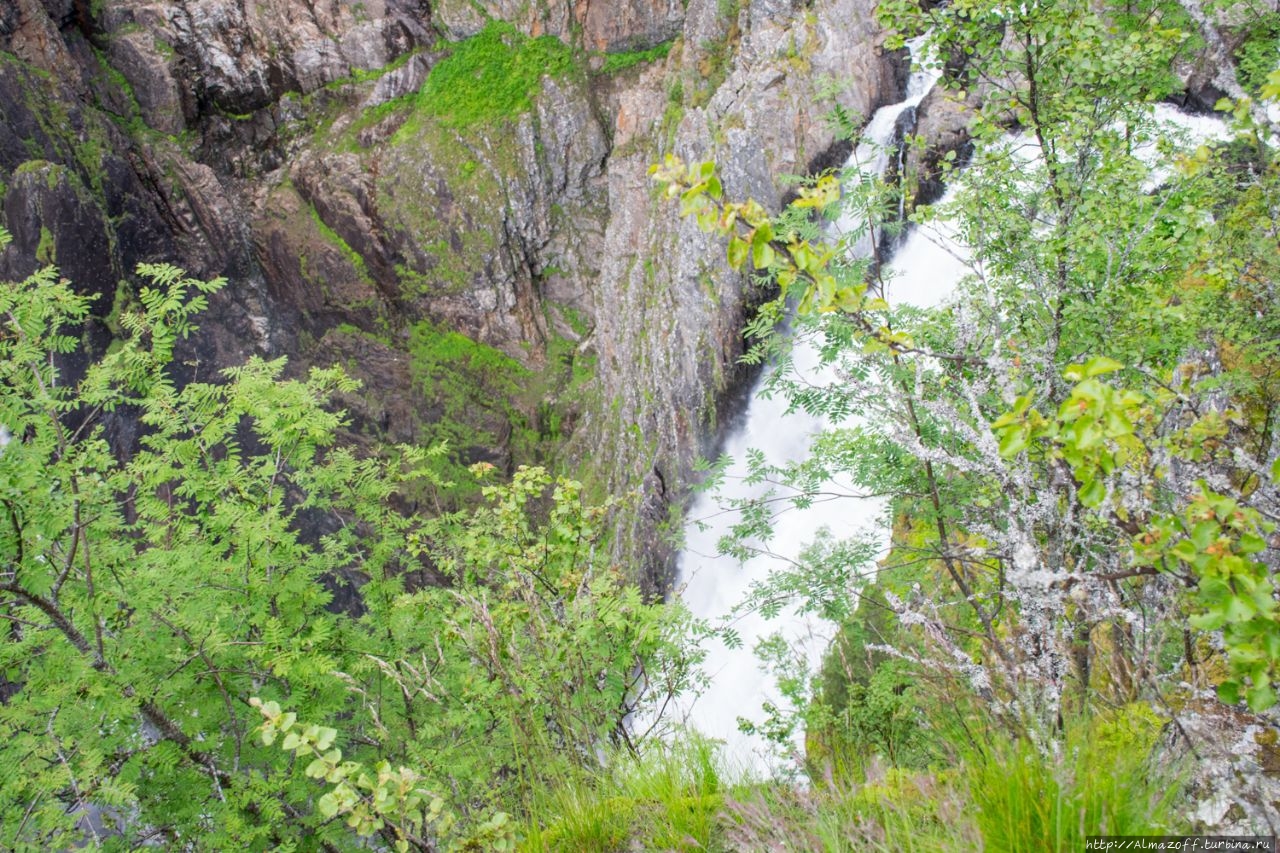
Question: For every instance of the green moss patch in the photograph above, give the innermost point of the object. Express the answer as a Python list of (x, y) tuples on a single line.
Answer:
[(490, 76), (615, 62), (333, 237), (473, 387)]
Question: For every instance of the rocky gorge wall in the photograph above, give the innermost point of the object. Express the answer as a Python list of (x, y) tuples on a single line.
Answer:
[(456, 210)]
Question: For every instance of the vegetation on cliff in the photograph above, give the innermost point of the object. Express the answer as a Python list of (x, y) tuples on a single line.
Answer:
[(241, 635), (492, 75)]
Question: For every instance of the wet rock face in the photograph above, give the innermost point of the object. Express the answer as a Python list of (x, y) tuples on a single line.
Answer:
[(284, 146), (53, 219)]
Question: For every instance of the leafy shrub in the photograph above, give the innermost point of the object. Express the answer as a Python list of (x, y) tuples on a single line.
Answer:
[(1259, 54)]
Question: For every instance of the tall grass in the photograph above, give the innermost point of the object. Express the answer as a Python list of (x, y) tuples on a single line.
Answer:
[(1051, 798), (667, 800), (902, 811), (998, 794)]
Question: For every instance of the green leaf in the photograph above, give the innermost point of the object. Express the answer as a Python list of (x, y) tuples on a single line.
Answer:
[(1205, 534), (1214, 591), (1211, 620), (1251, 543), (803, 256), (1100, 365), (1239, 609), (325, 737), (1092, 492), (762, 256), (1261, 697), (1118, 423), (1088, 434), (1013, 442), (1184, 550), (327, 806)]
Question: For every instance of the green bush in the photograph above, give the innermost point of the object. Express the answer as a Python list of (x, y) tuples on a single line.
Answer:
[(869, 705), (1259, 55), (491, 76)]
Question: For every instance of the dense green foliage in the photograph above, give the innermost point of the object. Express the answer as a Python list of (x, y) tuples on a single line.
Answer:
[(157, 606), (615, 62), (491, 76), (1259, 52)]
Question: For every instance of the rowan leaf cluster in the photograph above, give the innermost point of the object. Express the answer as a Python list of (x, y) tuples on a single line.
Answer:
[(163, 599)]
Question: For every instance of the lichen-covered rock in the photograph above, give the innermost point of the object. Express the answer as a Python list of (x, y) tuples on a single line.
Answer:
[(614, 25), (147, 63), (29, 33), (239, 57), (10, 17)]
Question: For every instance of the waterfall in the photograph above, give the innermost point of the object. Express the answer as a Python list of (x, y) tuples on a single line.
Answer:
[(711, 585), (924, 272)]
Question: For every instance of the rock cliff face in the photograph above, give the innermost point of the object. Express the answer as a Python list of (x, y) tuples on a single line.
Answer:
[(741, 87), (485, 252)]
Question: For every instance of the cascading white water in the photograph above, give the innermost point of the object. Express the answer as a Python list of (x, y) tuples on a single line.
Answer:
[(712, 584), (924, 272)]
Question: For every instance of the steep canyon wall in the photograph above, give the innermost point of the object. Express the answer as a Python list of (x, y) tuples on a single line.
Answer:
[(448, 198)]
